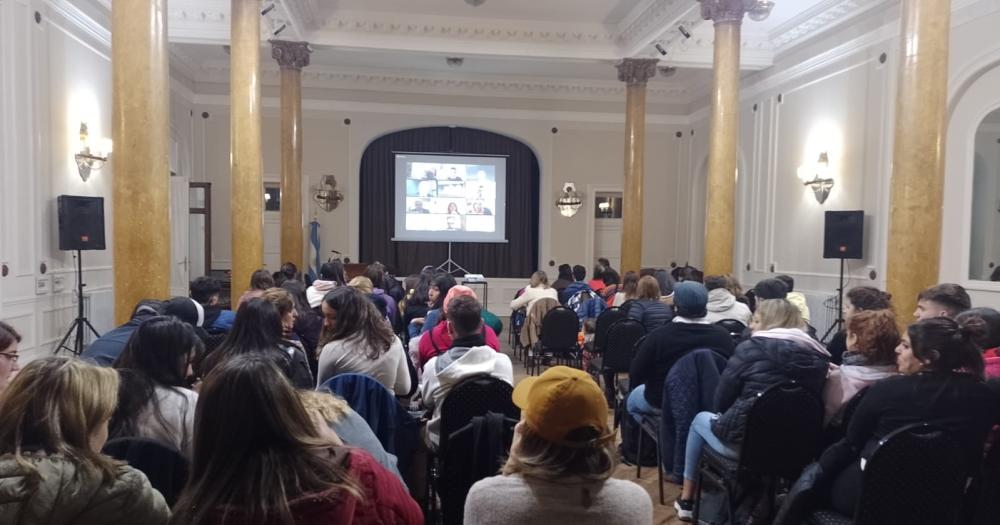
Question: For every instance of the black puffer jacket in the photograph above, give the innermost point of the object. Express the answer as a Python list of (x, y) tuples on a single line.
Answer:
[(758, 363), (650, 312)]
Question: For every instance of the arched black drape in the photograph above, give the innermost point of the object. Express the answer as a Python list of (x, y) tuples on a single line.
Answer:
[(515, 258)]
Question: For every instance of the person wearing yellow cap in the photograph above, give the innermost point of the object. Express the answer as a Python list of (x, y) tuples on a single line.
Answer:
[(560, 464)]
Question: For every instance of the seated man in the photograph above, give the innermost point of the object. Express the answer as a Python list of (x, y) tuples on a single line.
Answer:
[(206, 291), (106, 349), (943, 300), (664, 346), (469, 356)]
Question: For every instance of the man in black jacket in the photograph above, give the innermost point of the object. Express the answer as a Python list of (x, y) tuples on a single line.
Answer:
[(665, 345)]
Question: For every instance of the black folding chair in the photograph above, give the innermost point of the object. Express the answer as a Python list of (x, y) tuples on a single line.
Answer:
[(604, 322), (985, 506), (472, 397), (624, 335), (517, 318), (782, 436), (164, 466), (734, 327), (916, 475), (558, 337)]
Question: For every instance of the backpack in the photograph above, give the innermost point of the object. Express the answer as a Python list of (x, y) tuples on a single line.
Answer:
[(587, 304)]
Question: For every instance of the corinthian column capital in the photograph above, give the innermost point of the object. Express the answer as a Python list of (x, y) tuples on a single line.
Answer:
[(636, 71), (720, 11), (290, 55)]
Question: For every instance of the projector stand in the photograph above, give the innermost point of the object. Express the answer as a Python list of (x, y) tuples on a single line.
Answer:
[(80, 325), (450, 266)]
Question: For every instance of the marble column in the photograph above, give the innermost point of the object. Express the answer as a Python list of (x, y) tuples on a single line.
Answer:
[(635, 72), (246, 165), (140, 194), (292, 57), (917, 182), (723, 134)]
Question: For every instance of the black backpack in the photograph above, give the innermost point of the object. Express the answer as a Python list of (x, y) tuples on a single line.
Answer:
[(630, 441)]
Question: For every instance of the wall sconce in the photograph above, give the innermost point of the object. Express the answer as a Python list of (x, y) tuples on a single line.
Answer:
[(88, 158), (326, 195), (817, 176), (570, 201)]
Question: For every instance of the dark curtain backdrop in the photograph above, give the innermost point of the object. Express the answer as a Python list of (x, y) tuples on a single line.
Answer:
[(518, 257)]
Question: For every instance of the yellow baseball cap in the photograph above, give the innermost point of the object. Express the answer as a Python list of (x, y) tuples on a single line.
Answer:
[(562, 400)]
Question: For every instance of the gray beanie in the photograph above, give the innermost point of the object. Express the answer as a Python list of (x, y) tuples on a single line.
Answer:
[(691, 299)]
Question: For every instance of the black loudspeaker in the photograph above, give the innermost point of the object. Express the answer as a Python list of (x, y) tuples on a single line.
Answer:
[(843, 235), (81, 223)]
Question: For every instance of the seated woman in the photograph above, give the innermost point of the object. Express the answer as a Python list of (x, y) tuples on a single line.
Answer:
[(440, 286), (988, 340), (439, 340), (778, 351), (308, 323), (536, 289), (647, 307), (358, 340), (154, 402), (857, 299), (260, 281), (261, 459), (560, 465), (872, 338), (331, 275), (417, 303), (9, 338), (54, 424), (941, 383), (629, 289), (259, 327)]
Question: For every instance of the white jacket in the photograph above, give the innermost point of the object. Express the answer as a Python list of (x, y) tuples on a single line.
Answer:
[(531, 294), (445, 371), (722, 304), (318, 290)]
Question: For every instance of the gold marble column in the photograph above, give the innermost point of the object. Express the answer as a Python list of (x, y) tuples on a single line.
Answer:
[(246, 168), (723, 134), (292, 57), (635, 72), (140, 193), (917, 182)]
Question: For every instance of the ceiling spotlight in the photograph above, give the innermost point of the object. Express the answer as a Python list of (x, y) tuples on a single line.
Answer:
[(761, 10), (659, 47), (280, 29), (475, 3), (684, 31), (454, 61), (267, 10)]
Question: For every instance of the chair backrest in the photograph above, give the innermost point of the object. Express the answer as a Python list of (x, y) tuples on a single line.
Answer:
[(475, 396), (371, 400), (604, 322), (622, 338), (560, 328), (734, 327), (164, 465), (783, 431), (916, 475)]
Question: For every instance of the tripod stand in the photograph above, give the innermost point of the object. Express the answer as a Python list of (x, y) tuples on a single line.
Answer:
[(450, 266), (80, 323), (839, 323)]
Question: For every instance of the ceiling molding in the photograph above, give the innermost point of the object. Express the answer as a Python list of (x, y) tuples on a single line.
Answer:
[(819, 19), (658, 17)]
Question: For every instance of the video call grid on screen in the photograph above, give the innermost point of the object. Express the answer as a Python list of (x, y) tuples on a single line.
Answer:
[(450, 198)]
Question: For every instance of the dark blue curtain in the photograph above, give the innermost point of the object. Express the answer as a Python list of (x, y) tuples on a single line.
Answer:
[(516, 258)]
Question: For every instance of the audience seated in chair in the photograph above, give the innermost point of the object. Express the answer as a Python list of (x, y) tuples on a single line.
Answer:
[(260, 281), (688, 331), (647, 307), (331, 275), (153, 399), (794, 297), (942, 300), (106, 348), (308, 324), (628, 290), (559, 468), (262, 459), (258, 329), (468, 356), (441, 284), (722, 304), (778, 351), (439, 340), (941, 383), (375, 272), (54, 424), (537, 289), (857, 299), (563, 279), (206, 290), (531, 332), (988, 340), (872, 338), (357, 339), (417, 302), (9, 356), (578, 285)]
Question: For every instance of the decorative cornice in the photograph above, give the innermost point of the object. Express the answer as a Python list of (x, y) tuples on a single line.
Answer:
[(290, 55), (468, 28), (724, 11), (818, 19), (636, 71), (654, 18)]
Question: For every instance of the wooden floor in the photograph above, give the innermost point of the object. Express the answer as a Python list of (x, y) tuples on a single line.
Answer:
[(662, 514)]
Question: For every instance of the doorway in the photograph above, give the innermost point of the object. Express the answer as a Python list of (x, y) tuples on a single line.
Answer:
[(607, 227), (199, 228)]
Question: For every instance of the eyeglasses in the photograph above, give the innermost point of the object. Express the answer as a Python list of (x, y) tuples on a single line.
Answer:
[(12, 357)]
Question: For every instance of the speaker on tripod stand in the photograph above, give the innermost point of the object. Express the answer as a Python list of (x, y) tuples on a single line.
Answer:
[(843, 238), (81, 227)]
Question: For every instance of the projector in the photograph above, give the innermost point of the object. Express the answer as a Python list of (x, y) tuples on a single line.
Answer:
[(474, 278)]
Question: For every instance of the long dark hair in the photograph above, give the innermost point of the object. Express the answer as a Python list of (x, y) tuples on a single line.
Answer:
[(261, 280), (443, 282), (358, 318), (257, 328), (256, 449), (944, 345), (333, 271), (869, 298), (376, 273), (421, 292), (157, 355), (297, 289)]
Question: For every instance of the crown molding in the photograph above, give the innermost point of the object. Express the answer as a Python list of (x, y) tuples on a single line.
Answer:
[(823, 17), (650, 22), (82, 21)]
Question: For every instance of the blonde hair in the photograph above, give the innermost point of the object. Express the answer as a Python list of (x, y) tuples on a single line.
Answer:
[(323, 406), (648, 288), (532, 456), (363, 284), (778, 313), (54, 405), (281, 299)]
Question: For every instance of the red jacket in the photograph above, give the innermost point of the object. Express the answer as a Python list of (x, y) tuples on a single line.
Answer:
[(385, 501), (438, 341)]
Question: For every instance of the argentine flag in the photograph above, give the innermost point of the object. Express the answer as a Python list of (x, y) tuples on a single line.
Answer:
[(314, 262)]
